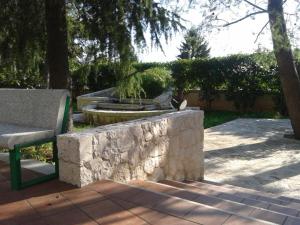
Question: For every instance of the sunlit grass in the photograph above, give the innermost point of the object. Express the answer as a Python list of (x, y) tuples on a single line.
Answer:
[(214, 118)]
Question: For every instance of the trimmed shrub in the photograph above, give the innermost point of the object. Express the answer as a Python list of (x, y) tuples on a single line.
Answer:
[(242, 77), (147, 84), (155, 81)]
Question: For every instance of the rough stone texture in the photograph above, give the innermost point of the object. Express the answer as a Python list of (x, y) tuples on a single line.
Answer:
[(253, 153), (167, 146)]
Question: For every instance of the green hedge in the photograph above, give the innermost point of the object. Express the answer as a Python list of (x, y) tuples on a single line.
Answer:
[(242, 77)]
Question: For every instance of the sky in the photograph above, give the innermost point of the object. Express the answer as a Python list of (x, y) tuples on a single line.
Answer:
[(237, 38)]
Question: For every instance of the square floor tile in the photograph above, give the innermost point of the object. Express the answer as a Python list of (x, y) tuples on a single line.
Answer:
[(17, 211), (207, 216), (268, 216), (50, 204), (70, 217), (175, 206), (107, 212), (82, 197), (236, 220)]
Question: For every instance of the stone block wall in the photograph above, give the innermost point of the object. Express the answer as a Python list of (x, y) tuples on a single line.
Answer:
[(169, 146)]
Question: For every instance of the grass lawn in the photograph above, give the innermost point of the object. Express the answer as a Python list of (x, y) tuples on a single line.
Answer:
[(214, 118)]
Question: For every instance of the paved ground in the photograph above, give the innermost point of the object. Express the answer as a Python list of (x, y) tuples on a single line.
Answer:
[(31, 164), (57, 203), (253, 153), (102, 203)]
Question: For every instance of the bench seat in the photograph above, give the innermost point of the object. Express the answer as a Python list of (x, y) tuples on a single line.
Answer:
[(31, 117), (11, 135)]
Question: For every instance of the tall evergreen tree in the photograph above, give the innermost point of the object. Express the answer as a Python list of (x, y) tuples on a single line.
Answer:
[(194, 45), (103, 28), (22, 43), (112, 26)]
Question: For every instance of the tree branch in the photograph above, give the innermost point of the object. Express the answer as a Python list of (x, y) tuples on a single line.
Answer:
[(255, 6), (243, 18), (262, 29)]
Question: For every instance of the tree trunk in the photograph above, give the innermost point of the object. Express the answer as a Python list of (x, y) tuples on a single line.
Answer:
[(57, 45), (57, 48), (287, 69)]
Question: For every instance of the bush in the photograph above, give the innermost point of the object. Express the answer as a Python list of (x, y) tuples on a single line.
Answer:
[(242, 77), (245, 82), (207, 74), (181, 73), (93, 77), (147, 84), (101, 75), (140, 67), (155, 81)]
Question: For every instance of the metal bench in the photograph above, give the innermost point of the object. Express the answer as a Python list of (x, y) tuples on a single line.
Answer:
[(31, 118)]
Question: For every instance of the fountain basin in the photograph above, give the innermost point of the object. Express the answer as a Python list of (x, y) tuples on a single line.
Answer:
[(108, 96), (104, 107), (94, 115)]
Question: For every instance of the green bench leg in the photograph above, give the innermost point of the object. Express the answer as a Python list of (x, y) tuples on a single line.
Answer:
[(55, 157), (16, 172), (15, 168)]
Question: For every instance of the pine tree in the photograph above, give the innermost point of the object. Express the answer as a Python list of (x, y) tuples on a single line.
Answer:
[(194, 45), (35, 32)]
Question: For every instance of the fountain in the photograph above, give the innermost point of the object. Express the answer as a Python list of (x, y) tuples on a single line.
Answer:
[(104, 107)]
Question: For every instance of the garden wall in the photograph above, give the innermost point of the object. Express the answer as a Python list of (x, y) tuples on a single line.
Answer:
[(167, 146), (264, 103)]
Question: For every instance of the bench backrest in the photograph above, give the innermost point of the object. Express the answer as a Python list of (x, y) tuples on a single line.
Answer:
[(34, 108)]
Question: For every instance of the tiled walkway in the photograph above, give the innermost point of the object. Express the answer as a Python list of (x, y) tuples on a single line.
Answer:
[(141, 203), (105, 202)]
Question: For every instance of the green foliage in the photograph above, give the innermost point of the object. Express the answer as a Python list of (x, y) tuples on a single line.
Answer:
[(181, 73), (147, 84), (97, 31), (100, 75), (194, 46), (214, 118), (130, 86), (242, 77), (22, 44), (92, 77), (245, 80), (144, 66), (155, 81), (207, 75), (110, 27)]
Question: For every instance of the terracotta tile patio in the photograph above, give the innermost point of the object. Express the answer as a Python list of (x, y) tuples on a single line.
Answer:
[(141, 203), (105, 202)]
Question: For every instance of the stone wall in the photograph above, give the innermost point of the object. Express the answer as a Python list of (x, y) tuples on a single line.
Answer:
[(167, 146)]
